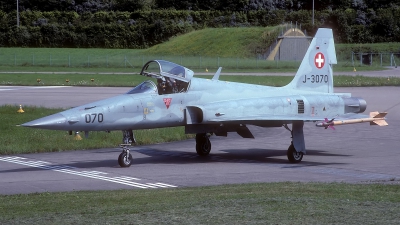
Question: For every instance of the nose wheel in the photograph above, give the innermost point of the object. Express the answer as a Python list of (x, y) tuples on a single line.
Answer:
[(125, 158)]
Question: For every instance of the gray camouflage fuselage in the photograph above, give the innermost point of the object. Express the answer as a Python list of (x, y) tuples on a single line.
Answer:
[(207, 102)]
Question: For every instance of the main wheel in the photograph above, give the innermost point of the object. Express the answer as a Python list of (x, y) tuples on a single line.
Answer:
[(203, 144), (293, 155), (125, 160)]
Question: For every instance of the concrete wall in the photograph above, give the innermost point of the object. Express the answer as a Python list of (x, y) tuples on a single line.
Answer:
[(292, 49)]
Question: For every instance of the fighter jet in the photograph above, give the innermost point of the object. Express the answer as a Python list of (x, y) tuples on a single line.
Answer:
[(174, 97)]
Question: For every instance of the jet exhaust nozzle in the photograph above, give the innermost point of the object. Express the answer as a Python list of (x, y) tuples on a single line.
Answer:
[(355, 105)]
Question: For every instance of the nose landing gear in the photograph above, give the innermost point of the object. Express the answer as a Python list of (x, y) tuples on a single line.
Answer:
[(125, 158)]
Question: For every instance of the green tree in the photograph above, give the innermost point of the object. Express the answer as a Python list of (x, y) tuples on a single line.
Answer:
[(132, 5)]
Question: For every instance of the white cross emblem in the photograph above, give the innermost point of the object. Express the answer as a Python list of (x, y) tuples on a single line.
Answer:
[(319, 60)]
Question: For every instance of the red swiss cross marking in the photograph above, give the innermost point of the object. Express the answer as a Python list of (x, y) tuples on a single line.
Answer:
[(167, 102), (319, 60)]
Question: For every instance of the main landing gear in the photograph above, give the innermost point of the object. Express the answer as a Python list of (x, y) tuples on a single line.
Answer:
[(125, 158), (203, 144), (293, 155), (296, 149)]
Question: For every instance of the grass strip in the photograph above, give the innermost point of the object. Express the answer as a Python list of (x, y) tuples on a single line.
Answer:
[(265, 203)]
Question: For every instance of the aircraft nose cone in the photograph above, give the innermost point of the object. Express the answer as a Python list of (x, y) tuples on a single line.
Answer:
[(56, 121)]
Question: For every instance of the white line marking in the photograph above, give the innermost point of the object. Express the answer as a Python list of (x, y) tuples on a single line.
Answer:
[(163, 185), (155, 185), (168, 185), (106, 179), (94, 172), (127, 178), (14, 157), (90, 174)]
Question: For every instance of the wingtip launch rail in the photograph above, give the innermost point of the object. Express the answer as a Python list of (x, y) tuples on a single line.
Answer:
[(376, 118)]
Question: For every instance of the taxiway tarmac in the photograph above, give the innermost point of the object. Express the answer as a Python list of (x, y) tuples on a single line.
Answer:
[(352, 153)]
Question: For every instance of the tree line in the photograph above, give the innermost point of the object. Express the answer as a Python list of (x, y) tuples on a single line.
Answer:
[(141, 23), (81, 6)]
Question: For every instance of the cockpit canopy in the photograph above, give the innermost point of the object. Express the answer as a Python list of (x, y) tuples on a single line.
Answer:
[(162, 68), (171, 78)]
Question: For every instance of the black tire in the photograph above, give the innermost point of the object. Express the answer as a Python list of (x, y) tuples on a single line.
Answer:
[(203, 144), (293, 155), (124, 160)]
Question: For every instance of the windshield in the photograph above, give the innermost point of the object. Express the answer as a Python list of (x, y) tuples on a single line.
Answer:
[(145, 87)]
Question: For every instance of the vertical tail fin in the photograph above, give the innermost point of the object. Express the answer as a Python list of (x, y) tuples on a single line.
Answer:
[(315, 71)]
